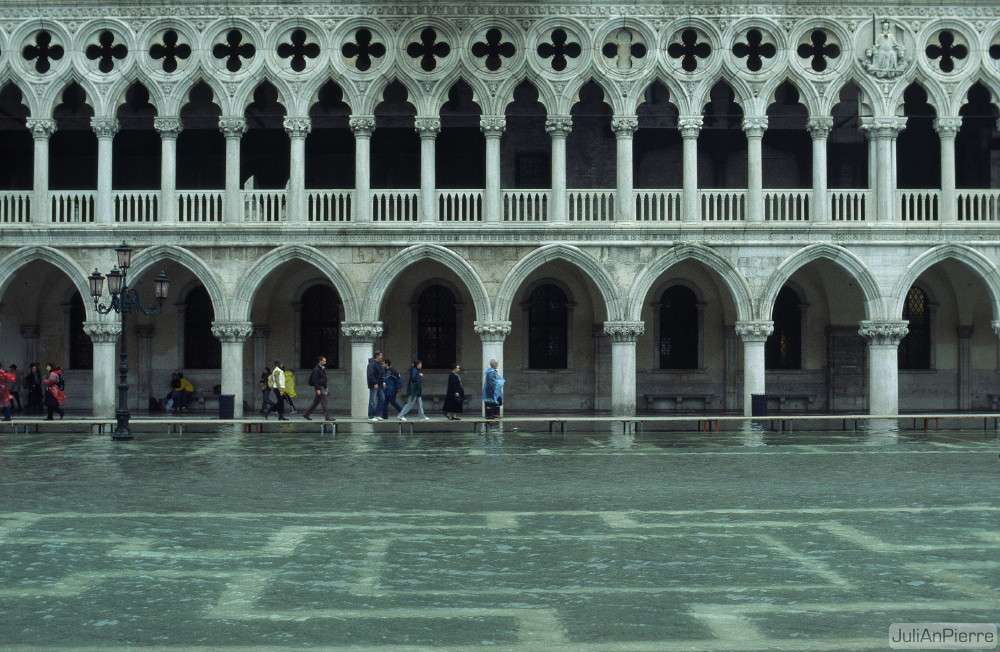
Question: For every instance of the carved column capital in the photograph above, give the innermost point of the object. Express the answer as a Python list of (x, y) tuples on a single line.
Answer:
[(298, 127), (947, 127), (41, 128), (690, 126), (232, 127), (624, 331), (492, 331), (492, 125), (232, 331), (168, 126), (427, 126), (755, 126), (883, 127), (363, 332), (102, 332), (104, 127), (884, 332), (624, 126), (559, 125), (996, 327), (362, 125), (754, 331), (820, 126)]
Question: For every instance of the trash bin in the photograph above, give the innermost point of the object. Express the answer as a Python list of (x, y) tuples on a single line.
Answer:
[(758, 405), (227, 406)]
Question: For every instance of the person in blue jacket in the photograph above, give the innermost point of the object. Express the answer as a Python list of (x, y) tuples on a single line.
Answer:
[(393, 383), (493, 384)]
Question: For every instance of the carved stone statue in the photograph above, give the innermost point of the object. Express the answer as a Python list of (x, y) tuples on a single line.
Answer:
[(886, 58)]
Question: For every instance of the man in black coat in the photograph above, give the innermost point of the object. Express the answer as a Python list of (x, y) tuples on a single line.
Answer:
[(376, 386), (317, 379)]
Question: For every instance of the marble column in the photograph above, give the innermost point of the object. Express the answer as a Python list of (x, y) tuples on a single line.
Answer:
[(872, 164), (624, 127), (883, 364), (884, 131), (492, 127), (428, 127), (819, 128), (169, 128), (105, 130), (558, 128), (41, 131), (690, 127), (965, 371), (947, 129), (363, 336), (623, 336), (754, 128), (754, 335), (232, 335), (297, 128), (104, 335), (492, 334), (30, 334), (362, 126), (233, 129), (144, 364)]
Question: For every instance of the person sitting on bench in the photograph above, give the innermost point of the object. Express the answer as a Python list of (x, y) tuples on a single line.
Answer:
[(181, 393)]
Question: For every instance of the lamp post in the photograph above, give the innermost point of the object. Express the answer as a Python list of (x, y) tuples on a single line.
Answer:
[(124, 300)]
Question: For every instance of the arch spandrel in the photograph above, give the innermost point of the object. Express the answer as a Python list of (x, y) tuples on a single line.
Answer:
[(145, 259), (11, 264), (976, 262)]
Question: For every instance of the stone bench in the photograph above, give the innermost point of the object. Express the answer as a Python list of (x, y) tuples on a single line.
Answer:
[(676, 402), (795, 402)]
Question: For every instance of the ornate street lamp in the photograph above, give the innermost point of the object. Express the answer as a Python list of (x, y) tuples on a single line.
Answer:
[(124, 300)]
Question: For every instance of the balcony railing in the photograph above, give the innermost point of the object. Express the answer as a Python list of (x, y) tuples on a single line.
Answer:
[(72, 206), (460, 205), (526, 205), (658, 205), (136, 206), (329, 205), (849, 205), (787, 205), (196, 206), (591, 205), (918, 205), (723, 205), (264, 206), (978, 205), (15, 207), (395, 205)]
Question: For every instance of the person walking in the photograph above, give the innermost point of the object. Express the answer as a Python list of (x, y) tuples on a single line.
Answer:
[(393, 383), (376, 386), (265, 391), (15, 388), (6, 380), (414, 391), (33, 385), (290, 392), (55, 390), (318, 381), (493, 391), (455, 396), (276, 383)]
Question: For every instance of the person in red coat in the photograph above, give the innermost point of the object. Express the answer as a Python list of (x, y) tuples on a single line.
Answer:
[(55, 396), (6, 380)]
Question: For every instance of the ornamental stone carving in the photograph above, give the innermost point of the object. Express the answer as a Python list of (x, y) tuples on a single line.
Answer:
[(104, 127), (755, 126), (883, 127), (40, 127), (819, 127), (232, 331), (886, 58), (492, 331), (948, 126), (169, 127), (427, 126), (690, 126), (102, 332), (559, 125), (298, 127), (362, 331), (996, 328), (884, 332), (493, 125), (362, 125), (754, 331), (625, 125), (232, 127), (624, 331)]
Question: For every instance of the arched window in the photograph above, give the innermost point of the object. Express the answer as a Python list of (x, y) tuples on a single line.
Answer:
[(548, 319), (437, 328), (784, 347), (678, 343), (915, 348), (201, 349), (81, 349), (320, 327)]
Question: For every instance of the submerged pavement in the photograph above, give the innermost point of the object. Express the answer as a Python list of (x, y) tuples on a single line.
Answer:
[(513, 540)]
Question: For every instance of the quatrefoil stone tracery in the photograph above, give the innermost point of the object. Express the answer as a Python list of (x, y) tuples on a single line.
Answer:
[(297, 50), (493, 50), (946, 51), (689, 50), (818, 50), (364, 50), (106, 51), (428, 49), (754, 50), (559, 49), (622, 47), (42, 52), (234, 50), (170, 50)]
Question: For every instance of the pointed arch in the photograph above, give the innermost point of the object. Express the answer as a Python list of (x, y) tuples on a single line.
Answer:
[(590, 267), (243, 97), (436, 100), (571, 94), (392, 268), (146, 258), (219, 96), (53, 97), (117, 95), (28, 100), (843, 258), (734, 281), (546, 96), (869, 95), (312, 88), (807, 96), (677, 95), (11, 264), (742, 94), (975, 261), (376, 92), (252, 280)]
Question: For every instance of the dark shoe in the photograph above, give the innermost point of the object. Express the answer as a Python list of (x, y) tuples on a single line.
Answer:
[(282, 418), (307, 417)]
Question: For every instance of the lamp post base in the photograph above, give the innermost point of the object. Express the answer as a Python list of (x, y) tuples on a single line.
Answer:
[(122, 431)]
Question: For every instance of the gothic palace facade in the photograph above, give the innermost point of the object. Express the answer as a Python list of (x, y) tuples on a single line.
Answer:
[(633, 207)]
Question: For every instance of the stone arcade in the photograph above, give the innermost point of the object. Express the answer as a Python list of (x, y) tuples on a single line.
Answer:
[(634, 208)]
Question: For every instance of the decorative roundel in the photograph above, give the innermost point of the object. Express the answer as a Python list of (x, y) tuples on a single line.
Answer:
[(947, 51), (105, 50), (297, 50), (233, 51), (362, 49), (558, 48), (884, 49), (624, 49), (754, 50), (993, 51), (428, 50), (689, 50), (494, 49), (819, 51), (170, 51), (43, 51)]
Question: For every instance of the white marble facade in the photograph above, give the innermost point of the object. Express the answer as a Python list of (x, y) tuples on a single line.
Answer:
[(851, 255)]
